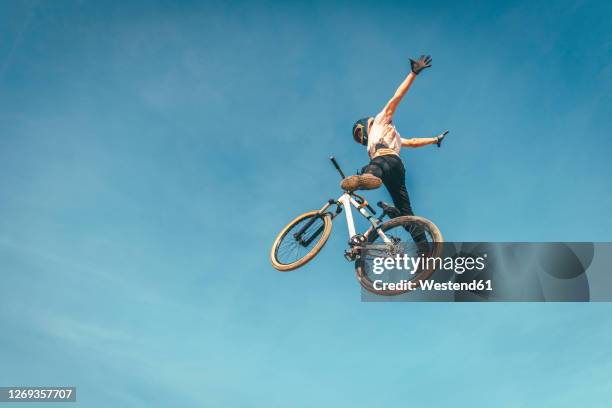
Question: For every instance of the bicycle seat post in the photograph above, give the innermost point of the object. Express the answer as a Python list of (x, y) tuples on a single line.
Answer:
[(335, 163)]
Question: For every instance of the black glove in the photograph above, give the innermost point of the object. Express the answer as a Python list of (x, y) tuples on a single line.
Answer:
[(420, 64), (441, 137)]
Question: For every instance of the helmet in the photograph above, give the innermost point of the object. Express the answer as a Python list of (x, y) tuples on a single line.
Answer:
[(360, 130)]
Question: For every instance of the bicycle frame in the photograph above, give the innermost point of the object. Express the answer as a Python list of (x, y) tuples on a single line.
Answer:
[(345, 202)]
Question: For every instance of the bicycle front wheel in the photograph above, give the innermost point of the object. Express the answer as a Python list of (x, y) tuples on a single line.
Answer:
[(300, 241)]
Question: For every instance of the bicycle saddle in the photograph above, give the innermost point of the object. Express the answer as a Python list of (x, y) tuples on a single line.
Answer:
[(389, 210)]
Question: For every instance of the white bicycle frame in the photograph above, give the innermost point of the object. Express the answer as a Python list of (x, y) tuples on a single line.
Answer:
[(346, 200)]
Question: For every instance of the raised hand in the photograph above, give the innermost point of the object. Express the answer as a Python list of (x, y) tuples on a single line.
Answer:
[(420, 64)]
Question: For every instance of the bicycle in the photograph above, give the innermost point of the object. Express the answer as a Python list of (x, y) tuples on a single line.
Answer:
[(304, 237)]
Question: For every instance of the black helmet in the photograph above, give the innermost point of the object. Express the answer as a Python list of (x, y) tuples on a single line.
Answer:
[(360, 130)]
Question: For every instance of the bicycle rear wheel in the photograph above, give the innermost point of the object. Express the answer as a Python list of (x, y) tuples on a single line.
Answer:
[(402, 231), (300, 241)]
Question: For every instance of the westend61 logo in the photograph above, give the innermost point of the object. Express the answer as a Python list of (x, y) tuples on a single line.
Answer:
[(416, 264)]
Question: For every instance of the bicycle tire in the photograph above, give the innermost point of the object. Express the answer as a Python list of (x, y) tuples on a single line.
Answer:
[(285, 267), (424, 274)]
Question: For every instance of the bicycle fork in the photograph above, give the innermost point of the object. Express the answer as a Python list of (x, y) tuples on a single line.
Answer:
[(321, 213)]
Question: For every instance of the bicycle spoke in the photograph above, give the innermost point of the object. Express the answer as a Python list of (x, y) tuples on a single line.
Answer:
[(290, 249)]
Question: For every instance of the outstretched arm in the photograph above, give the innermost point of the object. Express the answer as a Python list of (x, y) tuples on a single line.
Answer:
[(424, 141), (417, 66), (419, 141)]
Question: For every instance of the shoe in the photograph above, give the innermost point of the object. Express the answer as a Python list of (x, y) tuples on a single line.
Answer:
[(361, 182)]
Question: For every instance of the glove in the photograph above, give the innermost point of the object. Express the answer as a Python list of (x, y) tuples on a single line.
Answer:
[(420, 64), (441, 137)]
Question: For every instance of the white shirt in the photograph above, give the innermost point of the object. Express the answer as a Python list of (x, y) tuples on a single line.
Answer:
[(383, 135)]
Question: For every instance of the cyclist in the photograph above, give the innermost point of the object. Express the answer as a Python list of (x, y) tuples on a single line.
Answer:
[(383, 143)]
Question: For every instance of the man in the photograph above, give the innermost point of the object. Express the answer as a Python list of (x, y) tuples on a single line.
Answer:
[(384, 142)]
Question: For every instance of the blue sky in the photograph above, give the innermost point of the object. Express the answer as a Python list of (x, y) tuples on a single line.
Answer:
[(150, 151)]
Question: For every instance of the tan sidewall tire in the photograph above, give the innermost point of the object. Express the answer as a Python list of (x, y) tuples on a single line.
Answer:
[(315, 250), (436, 235)]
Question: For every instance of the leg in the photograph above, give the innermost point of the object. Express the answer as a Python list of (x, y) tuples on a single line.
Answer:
[(402, 203), (401, 200), (396, 185), (395, 180)]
